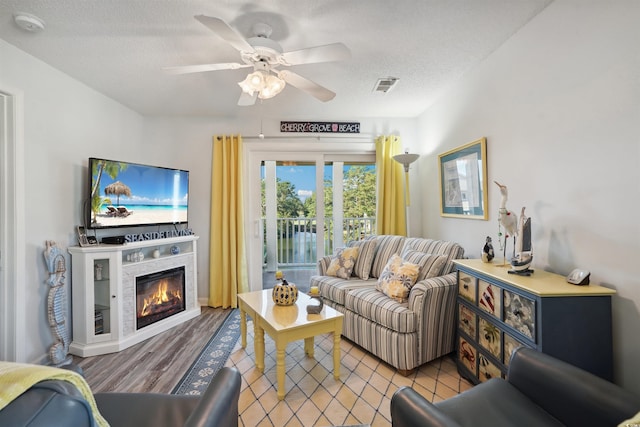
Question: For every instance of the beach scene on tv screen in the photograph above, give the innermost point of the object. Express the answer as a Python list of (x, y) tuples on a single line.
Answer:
[(126, 194)]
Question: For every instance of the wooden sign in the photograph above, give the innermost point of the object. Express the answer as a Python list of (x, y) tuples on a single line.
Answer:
[(320, 127)]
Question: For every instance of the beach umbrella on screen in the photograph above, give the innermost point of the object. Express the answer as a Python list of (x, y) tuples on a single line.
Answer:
[(117, 189)]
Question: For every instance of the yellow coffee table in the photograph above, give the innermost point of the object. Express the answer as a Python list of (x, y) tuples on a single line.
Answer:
[(285, 324)]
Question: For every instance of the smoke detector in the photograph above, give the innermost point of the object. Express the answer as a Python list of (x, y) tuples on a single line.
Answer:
[(29, 22)]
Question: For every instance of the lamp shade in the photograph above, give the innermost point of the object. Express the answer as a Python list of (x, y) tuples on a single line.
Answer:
[(406, 159)]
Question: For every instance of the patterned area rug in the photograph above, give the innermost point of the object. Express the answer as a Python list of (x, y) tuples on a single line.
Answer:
[(212, 358)]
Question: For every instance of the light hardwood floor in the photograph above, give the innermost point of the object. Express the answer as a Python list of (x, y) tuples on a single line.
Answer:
[(157, 364)]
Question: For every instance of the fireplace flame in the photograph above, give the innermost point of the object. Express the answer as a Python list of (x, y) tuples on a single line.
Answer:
[(161, 296)]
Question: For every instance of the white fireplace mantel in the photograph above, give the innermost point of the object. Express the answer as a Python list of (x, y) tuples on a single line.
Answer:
[(104, 295)]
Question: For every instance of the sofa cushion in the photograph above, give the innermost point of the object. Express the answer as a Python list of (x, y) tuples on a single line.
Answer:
[(430, 265), (397, 278), (440, 247), (343, 262), (387, 246), (379, 308), (367, 247), (335, 289)]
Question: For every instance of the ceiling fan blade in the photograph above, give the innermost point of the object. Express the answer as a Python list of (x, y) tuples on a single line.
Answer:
[(186, 69), (246, 99), (312, 88), (311, 55), (227, 33)]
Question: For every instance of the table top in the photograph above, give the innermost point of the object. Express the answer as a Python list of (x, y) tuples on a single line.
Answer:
[(541, 282), (282, 317)]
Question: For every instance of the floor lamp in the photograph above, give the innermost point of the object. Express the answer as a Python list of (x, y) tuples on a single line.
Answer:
[(406, 159)]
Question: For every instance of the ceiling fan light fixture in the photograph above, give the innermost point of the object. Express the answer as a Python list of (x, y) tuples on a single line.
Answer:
[(253, 82), (266, 84), (256, 80), (245, 87), (273, 85), (265, 54)]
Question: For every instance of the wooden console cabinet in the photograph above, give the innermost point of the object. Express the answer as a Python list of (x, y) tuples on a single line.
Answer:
[(498, 312), (103, 291)]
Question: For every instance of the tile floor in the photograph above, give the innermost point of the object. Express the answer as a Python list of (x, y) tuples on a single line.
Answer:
[(315, 398)]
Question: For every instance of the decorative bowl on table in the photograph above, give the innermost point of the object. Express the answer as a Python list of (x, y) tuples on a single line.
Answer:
[(285, 293)]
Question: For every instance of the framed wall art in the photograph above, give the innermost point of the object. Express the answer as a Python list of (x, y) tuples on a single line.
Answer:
[(463, 181)]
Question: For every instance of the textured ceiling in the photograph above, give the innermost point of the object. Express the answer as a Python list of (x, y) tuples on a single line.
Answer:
[(119, 47)]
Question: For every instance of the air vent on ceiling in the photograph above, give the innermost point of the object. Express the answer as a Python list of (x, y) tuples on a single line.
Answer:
[(385, 84)]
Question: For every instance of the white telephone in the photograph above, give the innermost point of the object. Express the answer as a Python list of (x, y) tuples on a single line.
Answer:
[(578, 277)]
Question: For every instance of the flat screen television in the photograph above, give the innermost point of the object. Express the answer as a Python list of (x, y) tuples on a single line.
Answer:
[(123, 194)]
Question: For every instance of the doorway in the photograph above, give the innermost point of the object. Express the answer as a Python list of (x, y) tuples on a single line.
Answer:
[(12, 229), (295, 222)]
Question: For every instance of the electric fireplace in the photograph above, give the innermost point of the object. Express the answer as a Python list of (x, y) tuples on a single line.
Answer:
[(159, 295)]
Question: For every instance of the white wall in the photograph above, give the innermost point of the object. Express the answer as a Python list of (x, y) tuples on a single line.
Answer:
[(65, 122), (560, 106)]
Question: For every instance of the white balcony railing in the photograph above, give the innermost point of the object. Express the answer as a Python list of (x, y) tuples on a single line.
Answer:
[(296, 243)]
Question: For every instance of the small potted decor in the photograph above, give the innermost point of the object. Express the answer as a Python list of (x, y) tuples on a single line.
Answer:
[(284, 293), (314, 293)]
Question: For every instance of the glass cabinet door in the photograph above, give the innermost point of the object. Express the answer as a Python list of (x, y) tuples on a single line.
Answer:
[(102, 296)]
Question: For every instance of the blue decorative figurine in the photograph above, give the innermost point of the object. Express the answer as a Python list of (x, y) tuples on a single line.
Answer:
[(56, 304)]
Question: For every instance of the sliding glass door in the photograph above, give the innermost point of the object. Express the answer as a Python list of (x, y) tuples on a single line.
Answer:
[(308, 205), (289, 221)]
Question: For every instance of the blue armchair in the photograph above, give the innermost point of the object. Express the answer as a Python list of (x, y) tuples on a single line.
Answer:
[(60, 403), (539, 391)]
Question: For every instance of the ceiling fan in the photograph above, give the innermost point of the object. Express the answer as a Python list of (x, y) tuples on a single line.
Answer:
[(265, 55)]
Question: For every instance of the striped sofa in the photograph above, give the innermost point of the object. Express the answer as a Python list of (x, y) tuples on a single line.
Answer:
[(405, 335)]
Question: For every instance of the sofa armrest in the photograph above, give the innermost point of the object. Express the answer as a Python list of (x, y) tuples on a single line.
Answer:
[(218, 405), (570, 394), (46, 401), (408, 408), (434, 302), (431, 285), (323, 265)]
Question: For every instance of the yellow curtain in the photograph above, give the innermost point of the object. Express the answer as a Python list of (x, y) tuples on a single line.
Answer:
[(390, 209), (227, 257)]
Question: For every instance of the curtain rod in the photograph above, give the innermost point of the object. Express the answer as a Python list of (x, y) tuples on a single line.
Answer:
[(368, 137)]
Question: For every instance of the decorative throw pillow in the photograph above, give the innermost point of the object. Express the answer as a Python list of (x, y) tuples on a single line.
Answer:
[(343, 262), (387, 246), (397, 278), (430, 265), (367, 247)]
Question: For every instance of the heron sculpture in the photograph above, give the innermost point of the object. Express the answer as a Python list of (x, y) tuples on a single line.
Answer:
[(507, 219)]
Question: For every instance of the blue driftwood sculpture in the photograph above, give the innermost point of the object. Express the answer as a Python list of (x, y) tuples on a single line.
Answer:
[(56, 305)]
